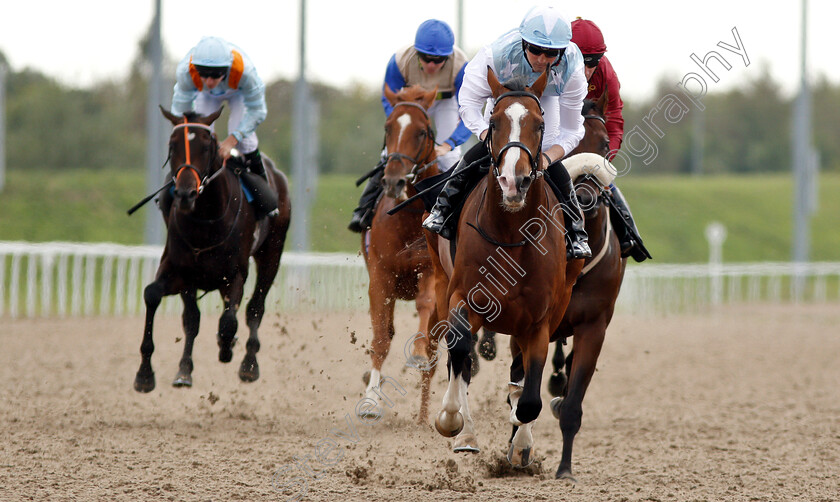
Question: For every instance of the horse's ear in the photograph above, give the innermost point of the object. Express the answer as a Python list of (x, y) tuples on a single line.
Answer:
[(170, 117), (603, 100), (212, 117), (390, 95), (428, 98), (495, 87), (539, 85)]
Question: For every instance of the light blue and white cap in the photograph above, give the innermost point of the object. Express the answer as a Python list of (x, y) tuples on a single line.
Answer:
[(547, 27)]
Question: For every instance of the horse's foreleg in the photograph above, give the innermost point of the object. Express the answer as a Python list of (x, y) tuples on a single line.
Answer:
[(382, 322), (144, 381), (190, 319), (588, 340), (524, 396), (249, 370), (226, 337), (455, 417)]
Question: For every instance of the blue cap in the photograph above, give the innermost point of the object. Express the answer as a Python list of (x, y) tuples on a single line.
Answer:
[(434, 38)]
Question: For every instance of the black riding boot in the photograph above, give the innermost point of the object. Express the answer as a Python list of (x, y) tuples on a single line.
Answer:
[(452, 192), (265, 199), (572, 213), (363, 215), (628, 234)]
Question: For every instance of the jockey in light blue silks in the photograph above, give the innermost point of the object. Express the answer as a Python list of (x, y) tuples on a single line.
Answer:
[(214, 72), (542, 41)]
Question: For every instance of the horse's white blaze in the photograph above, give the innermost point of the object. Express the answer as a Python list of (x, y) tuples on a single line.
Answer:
[(404, 121), (515, 112)]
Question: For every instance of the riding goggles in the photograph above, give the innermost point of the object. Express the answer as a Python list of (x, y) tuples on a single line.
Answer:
[(428, 58), (211, 71), (542, 51), (592, 60)]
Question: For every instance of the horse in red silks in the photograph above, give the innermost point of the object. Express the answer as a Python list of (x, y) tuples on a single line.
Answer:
[(509, 273), (399, 269), (210, 238)]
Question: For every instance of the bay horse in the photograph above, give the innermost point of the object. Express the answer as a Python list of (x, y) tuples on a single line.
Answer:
[(210, 237), (398, 270), (509, 273)]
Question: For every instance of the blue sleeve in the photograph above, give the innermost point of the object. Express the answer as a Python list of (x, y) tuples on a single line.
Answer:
[(395, 81), (461, 133)]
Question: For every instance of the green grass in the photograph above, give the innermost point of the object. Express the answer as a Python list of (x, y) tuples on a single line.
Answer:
[(672, 212)]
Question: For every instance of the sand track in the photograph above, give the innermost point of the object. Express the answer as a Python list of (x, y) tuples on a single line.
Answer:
[(742, 405)]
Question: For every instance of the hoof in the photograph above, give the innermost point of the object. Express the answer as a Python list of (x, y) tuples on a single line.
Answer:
[(182, 380), (555, 406), (249, 371), (419, 362), (371, 414), (466, 443), (557, 384), (366, 378), (519, 457), (449, 425), (226, 350), (565, 474), (487, 345), (144, 383)]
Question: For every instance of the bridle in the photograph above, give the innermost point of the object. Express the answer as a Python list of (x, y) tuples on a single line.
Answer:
[(423, 153), (533, 159), (187, 166)]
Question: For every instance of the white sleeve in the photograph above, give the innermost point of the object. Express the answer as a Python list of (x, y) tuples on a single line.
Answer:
[(474, 92), (569, 125)]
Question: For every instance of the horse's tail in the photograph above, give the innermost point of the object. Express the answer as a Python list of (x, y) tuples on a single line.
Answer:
[(415, 252)]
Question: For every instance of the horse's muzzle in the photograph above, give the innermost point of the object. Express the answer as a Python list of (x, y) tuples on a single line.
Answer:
[(514, 191), (394, 187), (185, 199)]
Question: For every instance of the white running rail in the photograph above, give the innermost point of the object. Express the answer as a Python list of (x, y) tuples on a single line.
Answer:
[(60, 279)]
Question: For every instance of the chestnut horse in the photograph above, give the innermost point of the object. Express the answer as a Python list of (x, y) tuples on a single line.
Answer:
[(210, 237), (398, 270), (509, 273)]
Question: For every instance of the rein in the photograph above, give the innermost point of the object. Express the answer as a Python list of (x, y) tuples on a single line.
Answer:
[(534, 159), (188, 166)]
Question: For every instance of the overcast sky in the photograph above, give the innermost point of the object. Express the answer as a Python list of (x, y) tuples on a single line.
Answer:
[(84, 41)]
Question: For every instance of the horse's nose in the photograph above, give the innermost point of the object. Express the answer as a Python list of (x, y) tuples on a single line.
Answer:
[(523, 182), (393, 186), (189, 194)]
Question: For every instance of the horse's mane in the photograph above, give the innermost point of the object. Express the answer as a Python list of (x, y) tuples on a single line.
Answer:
[(191, 116), (412, 93)]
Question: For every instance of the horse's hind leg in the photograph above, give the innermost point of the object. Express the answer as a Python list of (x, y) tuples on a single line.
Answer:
[(190, 319), (557, 380), (588, 340)]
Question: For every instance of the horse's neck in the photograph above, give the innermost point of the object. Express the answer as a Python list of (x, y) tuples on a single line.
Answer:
[(215, 199)]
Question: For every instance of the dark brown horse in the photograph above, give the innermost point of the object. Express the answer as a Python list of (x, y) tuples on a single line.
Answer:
[(210, 237), (398, 270), (509, 272)]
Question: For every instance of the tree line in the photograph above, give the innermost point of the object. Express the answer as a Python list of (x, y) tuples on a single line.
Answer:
[(53, 126)]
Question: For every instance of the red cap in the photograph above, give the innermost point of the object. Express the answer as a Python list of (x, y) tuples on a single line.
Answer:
[(588, 37)]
